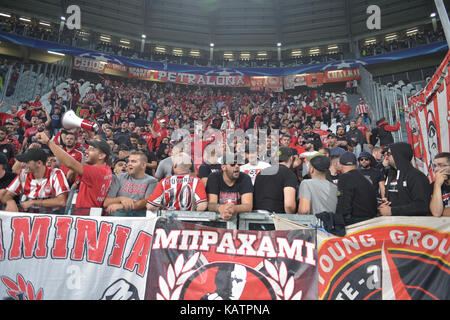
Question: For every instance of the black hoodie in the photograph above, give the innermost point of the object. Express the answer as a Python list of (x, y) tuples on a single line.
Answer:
[(406, 187)]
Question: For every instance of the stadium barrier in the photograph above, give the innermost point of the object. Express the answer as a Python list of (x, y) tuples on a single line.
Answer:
[(258, 221)]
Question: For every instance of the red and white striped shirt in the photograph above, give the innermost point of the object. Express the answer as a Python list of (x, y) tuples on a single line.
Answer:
[(362, 108), (178, 192), (51, 185)]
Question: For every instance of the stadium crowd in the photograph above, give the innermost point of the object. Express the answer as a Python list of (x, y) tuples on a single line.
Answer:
[(330, 156)]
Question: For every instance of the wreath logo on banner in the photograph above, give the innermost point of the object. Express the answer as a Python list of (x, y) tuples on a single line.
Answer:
[(176, 276), (21, 290), (171, 286)]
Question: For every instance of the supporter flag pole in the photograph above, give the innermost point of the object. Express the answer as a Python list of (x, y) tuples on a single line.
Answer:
[(444, 19)]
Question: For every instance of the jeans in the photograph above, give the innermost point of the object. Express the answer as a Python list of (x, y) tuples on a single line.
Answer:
[(366, 119)]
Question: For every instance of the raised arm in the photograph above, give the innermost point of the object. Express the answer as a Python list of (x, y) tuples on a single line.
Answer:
[(64, 158)]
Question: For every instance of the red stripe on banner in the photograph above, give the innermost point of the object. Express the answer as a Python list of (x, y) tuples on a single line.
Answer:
[(422, 142), (424, 291), (372, 293), (435, 263), (397, 283)]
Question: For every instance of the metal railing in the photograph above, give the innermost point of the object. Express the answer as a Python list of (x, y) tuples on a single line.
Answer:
[(262, 221), (24, 81), (388, 101)]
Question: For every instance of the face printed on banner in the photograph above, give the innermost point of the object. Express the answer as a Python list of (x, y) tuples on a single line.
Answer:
[(238, 281), (227, 281), (432, 135)]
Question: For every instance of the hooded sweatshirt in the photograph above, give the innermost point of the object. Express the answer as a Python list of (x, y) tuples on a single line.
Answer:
[(406, 187)]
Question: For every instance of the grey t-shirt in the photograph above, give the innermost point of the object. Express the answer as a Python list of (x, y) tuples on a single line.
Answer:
[(124, 185), (164, 168), (321, 193)]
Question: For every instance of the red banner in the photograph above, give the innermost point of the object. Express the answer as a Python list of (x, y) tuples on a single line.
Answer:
[(342, 75), (257, 83), (427, 119), (194, 262), (314, 80), (389, 258)]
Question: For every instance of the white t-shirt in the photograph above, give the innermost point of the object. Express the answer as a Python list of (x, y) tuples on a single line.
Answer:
[(253, 170)]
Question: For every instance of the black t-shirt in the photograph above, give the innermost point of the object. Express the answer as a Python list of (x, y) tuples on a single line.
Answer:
[(8, 150), (269, 188), (445, 191), (333, 179), (373, 175), (343, 138), (357, 200), (7, 179), (151, 156), (206, 169), (216, 185)]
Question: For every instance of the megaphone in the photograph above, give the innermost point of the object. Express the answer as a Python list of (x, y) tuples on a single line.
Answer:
[(71, 120)]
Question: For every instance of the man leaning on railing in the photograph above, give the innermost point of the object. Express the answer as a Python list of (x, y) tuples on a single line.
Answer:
[(37, 185)]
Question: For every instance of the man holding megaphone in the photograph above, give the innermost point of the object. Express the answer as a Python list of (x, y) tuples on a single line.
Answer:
[(95, 174)]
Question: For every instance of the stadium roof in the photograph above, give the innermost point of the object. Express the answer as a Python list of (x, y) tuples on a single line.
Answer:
[(234, 24)]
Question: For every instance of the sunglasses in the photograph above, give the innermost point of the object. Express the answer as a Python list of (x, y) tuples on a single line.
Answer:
[(364, 159), (233, 164)]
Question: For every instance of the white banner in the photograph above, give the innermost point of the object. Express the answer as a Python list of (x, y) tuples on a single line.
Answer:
[(49, 257)]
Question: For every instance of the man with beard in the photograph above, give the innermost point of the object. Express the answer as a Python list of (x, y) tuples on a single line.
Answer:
[(152, 162), (335, 150), (367, 165), (95, 174), (408, 191), (37, 185), (229, 191), (69, 141), (356, 136), (275, 186), (130, 190), (308, 134), (440, 204), (317, 194), (341, 137)]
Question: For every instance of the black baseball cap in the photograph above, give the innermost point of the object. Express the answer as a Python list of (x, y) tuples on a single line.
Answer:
[(102, 145), (332, 135), (34, 154), (320, 162), (347, 159)]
